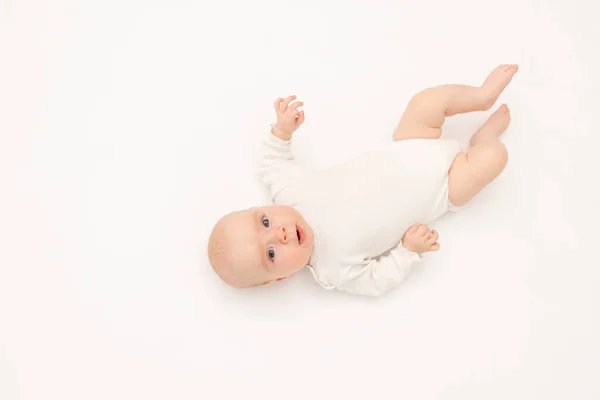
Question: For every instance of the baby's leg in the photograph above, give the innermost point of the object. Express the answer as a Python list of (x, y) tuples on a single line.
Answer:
[(482, 163), (427, 110)]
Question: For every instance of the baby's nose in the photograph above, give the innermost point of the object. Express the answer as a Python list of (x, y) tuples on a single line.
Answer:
[(282, 234)]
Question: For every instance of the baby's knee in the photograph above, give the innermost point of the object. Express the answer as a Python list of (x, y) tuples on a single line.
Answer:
[(497, 154), (425, 96)]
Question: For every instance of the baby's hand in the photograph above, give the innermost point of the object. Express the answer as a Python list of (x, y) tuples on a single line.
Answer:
[(420, 239), (288, 117)]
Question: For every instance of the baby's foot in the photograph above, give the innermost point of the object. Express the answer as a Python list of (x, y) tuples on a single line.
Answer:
[(499, 120), (494, 126), (497, 81)]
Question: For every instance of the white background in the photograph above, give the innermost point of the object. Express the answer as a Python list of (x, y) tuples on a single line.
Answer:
[(127, 128)]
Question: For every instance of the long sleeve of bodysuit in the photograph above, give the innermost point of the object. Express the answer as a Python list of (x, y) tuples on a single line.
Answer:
[(278, 168), (379, 275)]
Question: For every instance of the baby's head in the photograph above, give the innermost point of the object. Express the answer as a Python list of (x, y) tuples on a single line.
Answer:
[(260, 245)]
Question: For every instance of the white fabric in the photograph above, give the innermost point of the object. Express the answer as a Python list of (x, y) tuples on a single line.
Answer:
[(360, 209)]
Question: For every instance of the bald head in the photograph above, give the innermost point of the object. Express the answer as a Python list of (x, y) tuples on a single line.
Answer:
[(230, 250)]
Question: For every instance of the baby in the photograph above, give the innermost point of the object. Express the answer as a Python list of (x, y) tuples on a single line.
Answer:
[(360, 226)]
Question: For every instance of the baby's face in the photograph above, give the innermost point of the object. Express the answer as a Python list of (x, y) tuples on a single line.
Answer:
[(263, 244)]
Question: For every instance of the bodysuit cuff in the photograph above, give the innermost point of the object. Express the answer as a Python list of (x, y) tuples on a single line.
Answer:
[(408, 254), (275, 140)]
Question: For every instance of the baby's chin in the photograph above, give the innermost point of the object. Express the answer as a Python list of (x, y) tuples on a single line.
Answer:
[(307, 252)]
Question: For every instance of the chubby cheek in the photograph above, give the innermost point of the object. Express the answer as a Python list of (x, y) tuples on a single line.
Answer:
[(299, 258), (288, 263)]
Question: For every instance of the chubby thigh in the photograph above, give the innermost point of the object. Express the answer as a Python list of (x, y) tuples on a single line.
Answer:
[(474, 170)]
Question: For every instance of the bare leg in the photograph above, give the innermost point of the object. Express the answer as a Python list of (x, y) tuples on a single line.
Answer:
[(493, 127), (427, 110), (482, 163)]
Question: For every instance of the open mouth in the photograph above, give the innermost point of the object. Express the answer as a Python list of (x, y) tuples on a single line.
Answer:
[(300, 234)]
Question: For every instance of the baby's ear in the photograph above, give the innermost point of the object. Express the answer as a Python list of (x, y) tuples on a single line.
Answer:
[(269, 283)]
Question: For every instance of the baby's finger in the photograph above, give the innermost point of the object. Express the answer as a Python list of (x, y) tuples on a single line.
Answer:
[(300, 119), (277, 104), (424, 230), (295, 105), (286, 102), (435, 247), (433, 238)]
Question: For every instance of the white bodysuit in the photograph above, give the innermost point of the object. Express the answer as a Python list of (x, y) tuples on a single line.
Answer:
[(359, 210)]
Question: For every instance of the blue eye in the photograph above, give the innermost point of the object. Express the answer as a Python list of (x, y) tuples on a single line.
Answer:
[(265, 222), (271, 253)]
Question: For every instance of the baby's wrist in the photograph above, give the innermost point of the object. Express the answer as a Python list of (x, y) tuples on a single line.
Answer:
[(409, 248), (280, 134)]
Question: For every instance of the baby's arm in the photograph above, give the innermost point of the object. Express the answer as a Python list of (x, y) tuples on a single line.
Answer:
[(277, 165), (387, 272)]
